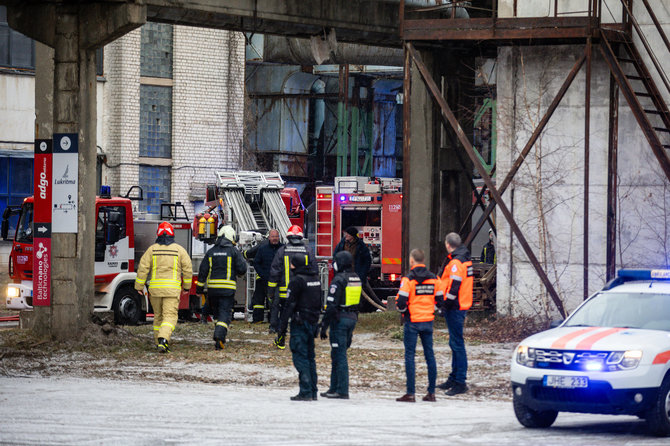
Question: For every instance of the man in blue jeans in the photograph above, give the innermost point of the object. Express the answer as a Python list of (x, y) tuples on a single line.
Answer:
[(341, 315), (419, 292), (457, 279)]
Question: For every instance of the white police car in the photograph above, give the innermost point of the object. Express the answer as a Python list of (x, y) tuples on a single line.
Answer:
[(611, 356)]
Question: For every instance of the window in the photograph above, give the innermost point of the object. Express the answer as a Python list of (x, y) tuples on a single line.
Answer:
[(16, 50), (16, 183), (155, 121), (156, 54), (156, 183)]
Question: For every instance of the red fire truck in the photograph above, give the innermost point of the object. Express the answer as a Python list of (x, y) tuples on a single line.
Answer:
[(120, 242), (374, 207)]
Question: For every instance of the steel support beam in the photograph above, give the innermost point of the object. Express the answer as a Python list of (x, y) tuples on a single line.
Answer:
[(450, 120), (529, 145), (587, 164), (406, 172), (612, 178)]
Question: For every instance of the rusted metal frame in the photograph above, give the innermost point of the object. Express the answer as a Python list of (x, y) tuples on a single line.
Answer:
[(479, 202), (449, 119), (647, 47), (656, 97), (406, 172), (636, 108), (587, 163), (529, 145), (612, 178), (401, 19), (555, 8), (439, 29), (659, 27)]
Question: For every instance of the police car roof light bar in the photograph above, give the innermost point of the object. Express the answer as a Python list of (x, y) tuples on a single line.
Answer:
[(644, 274)]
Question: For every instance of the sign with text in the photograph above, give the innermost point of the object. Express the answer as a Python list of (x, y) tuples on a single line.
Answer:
[(42, 223), (42, 264), (65, 182)]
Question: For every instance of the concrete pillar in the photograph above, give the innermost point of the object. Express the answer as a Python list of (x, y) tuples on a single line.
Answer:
[(440, 191), (74, 31), (422, 171)]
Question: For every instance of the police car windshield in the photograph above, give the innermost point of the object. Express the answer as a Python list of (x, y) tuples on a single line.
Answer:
[(625, 310)]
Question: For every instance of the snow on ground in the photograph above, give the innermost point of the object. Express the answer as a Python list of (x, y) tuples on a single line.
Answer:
[(88, 411)]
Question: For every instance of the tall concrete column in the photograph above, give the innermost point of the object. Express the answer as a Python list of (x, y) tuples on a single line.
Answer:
[(75, 31), (422, 157)]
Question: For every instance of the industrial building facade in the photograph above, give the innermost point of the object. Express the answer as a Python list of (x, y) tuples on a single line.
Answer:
[(170, 112)]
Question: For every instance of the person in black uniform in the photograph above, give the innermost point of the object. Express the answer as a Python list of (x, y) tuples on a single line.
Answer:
[(262, 259), (341, 315), (489, 251), (280, 274), (303, 307), (218, 270)]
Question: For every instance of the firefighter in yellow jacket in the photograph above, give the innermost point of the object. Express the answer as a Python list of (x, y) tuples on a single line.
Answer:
[(166, 266)]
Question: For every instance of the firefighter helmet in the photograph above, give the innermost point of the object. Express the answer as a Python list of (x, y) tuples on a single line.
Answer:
[(165, 228), (343, 261), (294, 231), (228, 232)]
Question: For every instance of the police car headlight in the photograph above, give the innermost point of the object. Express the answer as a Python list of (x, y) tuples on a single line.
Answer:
[(525, 356), (624, 360), (12, 291)]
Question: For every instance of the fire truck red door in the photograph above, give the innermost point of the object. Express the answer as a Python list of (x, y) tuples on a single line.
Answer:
[(391, 233)]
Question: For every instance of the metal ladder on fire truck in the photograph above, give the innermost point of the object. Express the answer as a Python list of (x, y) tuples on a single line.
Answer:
[(253, 201)]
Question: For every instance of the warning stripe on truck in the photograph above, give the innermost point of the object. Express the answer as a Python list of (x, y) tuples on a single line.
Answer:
[(391, 261)]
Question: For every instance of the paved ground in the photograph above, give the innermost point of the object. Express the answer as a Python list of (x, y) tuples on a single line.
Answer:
[(62, 410)]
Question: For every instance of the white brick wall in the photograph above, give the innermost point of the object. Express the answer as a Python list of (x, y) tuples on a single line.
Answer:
[(207, 105), (207, 108), (122, 110)]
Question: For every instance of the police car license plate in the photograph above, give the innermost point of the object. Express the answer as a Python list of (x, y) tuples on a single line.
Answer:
[(565, 382)]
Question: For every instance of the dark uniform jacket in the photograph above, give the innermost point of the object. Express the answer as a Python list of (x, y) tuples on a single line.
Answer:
[(264, 256), (303, 298), (344, 295), (280, 271), (362, 259), (219, 267), (488, 253)]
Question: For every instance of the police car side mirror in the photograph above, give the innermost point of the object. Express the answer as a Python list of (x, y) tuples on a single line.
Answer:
[(555, 323)]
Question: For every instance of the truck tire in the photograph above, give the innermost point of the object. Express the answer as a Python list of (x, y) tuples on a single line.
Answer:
[(658, 417), (127, 306), (533, 418)]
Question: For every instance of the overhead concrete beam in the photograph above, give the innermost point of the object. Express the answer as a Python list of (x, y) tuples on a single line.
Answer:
[(101, 23), (355, 21)]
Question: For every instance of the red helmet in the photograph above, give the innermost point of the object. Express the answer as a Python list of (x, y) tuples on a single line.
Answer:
[(165, 228), (295, 231)]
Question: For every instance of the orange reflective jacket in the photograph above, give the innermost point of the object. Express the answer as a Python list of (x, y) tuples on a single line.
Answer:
[(419, 292), (458, 278)]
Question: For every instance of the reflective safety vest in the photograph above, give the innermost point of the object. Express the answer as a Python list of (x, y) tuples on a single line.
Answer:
[(280, 270), (458, 278), (218, 270), (419, 292), (166, 269)]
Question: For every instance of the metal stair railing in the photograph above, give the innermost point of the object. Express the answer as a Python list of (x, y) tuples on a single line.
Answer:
[(639, 88)]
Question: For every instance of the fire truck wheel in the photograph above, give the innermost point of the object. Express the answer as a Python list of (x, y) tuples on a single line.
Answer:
[(127, 306)]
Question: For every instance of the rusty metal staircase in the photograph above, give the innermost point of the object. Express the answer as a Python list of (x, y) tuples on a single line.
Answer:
[(639, 87)]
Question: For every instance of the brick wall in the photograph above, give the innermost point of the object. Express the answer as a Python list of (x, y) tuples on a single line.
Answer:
[(122, 109), (207, 109)]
